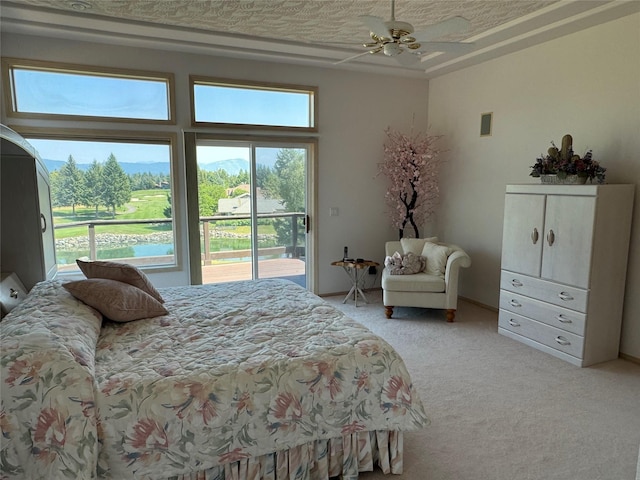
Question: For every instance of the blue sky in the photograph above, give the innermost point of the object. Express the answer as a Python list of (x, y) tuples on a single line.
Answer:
[(63, 93)]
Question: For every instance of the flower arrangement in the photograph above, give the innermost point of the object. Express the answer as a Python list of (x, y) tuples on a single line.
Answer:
[(411, 164), (563, 162)]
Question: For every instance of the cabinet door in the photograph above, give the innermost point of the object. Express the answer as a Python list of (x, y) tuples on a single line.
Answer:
[(46, 223), (523, 233), (569, 222)]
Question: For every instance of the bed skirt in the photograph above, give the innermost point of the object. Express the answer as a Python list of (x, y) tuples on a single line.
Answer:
[(340, 457)]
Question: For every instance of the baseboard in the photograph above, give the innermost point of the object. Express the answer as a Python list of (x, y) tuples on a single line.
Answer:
[(479, 304), (631, 358)]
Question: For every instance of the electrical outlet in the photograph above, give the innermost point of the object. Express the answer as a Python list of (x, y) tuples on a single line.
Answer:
[(373, 270)]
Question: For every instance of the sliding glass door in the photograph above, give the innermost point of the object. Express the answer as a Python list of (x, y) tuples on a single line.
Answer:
[(252, 208)]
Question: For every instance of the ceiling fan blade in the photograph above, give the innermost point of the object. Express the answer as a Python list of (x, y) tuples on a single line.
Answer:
[(446, 27), (376, 25), (454, 47), (348, 59)]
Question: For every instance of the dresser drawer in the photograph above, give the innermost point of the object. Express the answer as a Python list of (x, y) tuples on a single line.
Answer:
[(550, 336), (559, 317), (562, 295)]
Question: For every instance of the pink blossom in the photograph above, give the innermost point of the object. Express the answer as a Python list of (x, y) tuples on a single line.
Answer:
[(411, 164)]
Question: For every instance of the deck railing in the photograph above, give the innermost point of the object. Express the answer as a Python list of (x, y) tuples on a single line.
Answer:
[(207, 255)]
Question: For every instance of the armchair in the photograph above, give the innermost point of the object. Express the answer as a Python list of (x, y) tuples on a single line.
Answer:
[(424, 289)]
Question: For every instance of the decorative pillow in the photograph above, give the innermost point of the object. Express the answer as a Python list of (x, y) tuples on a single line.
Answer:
[(121, 272), (408, 264), (415, 245), (436, 256), (118, 301)]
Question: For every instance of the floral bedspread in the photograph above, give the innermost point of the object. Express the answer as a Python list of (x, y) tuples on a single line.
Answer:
[(234, 371), (47, 414)]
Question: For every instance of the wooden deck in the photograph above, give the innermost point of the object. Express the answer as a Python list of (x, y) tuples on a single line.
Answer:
[(231, 272)]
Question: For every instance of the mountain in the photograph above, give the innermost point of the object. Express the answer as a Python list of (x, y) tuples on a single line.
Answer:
[(232, 166)]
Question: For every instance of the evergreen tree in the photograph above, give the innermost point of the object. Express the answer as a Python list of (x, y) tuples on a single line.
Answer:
[(117, 187), (93, 186), (167, 210), (288, 184), (263, 175), (70, 185), (55, 181)]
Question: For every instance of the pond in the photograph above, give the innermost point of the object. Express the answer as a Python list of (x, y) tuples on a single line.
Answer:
[(68, 257)]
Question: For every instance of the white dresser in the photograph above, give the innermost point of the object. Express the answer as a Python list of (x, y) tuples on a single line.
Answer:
[(564, 264)]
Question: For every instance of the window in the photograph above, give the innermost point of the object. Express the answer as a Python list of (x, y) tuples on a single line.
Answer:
[(111, 198), (240, 104), (42, 90)]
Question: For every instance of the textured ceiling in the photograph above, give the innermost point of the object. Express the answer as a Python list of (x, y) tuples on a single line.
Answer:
[(311, 32), (299, 20)]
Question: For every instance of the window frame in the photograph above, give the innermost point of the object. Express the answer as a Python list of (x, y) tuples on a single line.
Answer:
[(9, 64), (311, 91), (171, 138)]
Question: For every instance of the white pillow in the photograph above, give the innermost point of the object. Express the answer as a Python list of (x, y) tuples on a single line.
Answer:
[(415, 245), (436, 256)]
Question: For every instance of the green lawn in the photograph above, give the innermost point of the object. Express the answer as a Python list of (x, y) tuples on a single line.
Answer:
[(144, 204)]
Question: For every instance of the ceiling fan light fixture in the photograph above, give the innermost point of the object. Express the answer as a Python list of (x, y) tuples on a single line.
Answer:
[(392, 49), (80, 5)]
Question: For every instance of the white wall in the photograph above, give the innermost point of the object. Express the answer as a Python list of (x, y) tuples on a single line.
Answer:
[(354, 110), (586, 84)]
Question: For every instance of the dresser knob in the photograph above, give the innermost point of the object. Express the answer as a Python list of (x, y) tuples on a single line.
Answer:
[(514, 303), (513, 323), (562, 341), (551, 237), (13, 293), (516, 283), (565, 296), (563, 319)]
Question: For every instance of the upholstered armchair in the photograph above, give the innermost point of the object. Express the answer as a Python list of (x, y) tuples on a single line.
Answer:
[(432, 288)]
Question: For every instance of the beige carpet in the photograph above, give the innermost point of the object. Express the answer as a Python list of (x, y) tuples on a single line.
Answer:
[(500, 410)]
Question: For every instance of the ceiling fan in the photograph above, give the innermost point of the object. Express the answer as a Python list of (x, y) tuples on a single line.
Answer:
[(394, 38)]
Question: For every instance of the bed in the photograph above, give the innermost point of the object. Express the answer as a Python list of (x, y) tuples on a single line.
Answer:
[(246, 380)]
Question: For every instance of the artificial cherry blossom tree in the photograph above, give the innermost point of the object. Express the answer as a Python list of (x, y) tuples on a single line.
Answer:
[(411, 164)]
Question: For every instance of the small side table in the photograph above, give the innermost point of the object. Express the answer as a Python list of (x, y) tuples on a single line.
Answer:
[(356, 272)]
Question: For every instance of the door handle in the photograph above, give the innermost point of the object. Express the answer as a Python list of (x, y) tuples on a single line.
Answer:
[(534, 236), (551, 237)]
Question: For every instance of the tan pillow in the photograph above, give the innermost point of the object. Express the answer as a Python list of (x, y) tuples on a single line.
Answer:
[(436, 256), (415, 245), (117, 301), (121, 272)]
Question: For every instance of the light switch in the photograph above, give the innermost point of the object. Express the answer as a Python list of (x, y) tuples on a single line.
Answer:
[(333, 211)]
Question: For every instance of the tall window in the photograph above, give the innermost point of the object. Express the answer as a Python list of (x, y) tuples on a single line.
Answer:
[(42, 90), (111, 191), (111, 199)]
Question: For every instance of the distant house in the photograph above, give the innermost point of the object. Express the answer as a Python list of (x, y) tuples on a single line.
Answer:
[(241, 205)]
